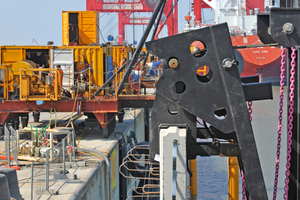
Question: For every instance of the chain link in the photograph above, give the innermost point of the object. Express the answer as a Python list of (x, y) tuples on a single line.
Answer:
[(175, 149), (290, 126), (250, 109), (279, 122), (243, 186), (242, 173)]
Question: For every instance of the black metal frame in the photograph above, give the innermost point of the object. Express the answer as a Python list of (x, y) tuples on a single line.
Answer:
[(278, 17), (263, 28), (181, 97)]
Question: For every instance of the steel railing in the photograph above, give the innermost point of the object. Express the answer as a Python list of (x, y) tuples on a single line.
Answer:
[(11, 145), (49, 172)]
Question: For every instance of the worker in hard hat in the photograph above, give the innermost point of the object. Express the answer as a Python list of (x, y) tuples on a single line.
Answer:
[(123, 61), (60, 74), (60, 71)]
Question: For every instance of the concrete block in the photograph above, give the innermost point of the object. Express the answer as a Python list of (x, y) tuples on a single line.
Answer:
[(13, 183), (173, 182), (4, 188)]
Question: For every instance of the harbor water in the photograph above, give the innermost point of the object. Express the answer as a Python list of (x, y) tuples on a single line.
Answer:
[(212, 171)]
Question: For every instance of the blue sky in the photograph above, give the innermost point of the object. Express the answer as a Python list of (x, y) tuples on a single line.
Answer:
[(21, 21)]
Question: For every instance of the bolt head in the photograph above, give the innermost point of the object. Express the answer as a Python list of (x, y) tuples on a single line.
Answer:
[(228, 64), (173, 63), (288, 28)]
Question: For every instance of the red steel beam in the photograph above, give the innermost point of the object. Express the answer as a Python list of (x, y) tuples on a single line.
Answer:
[(198, 6), (136, 21), (116, 7), (137, 97), (100, 105), (104, 109), (60, 106), (7, 116)]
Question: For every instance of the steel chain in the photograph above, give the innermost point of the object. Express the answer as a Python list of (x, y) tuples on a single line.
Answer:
[(175, 149), (242, 173), (243, 186), (250, 109), (279, 122), (290, 126)]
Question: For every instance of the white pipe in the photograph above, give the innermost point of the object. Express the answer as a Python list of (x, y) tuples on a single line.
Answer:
[(106, 160)]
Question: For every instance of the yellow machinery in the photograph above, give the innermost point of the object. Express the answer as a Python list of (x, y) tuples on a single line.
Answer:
[(12, 54), (88, 57), (80, 27), (23, 76), (13, 72), (26, 67), (39, 84), (10, 76), (92, 60), (117, 53)]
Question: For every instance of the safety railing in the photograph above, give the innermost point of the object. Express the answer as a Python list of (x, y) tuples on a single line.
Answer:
[(38, 84), (52, 169), (11, 145), (139, 75)]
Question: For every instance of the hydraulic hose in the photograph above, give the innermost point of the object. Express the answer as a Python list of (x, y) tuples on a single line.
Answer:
[(99, 153), (106, 161)]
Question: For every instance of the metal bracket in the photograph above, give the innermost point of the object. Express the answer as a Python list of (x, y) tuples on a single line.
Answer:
[(263, 29), (284, 23), (258, 91), (209, 149)]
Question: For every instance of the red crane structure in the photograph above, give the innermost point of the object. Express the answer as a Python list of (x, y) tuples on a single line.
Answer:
[(126, 8), (197, 7)]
